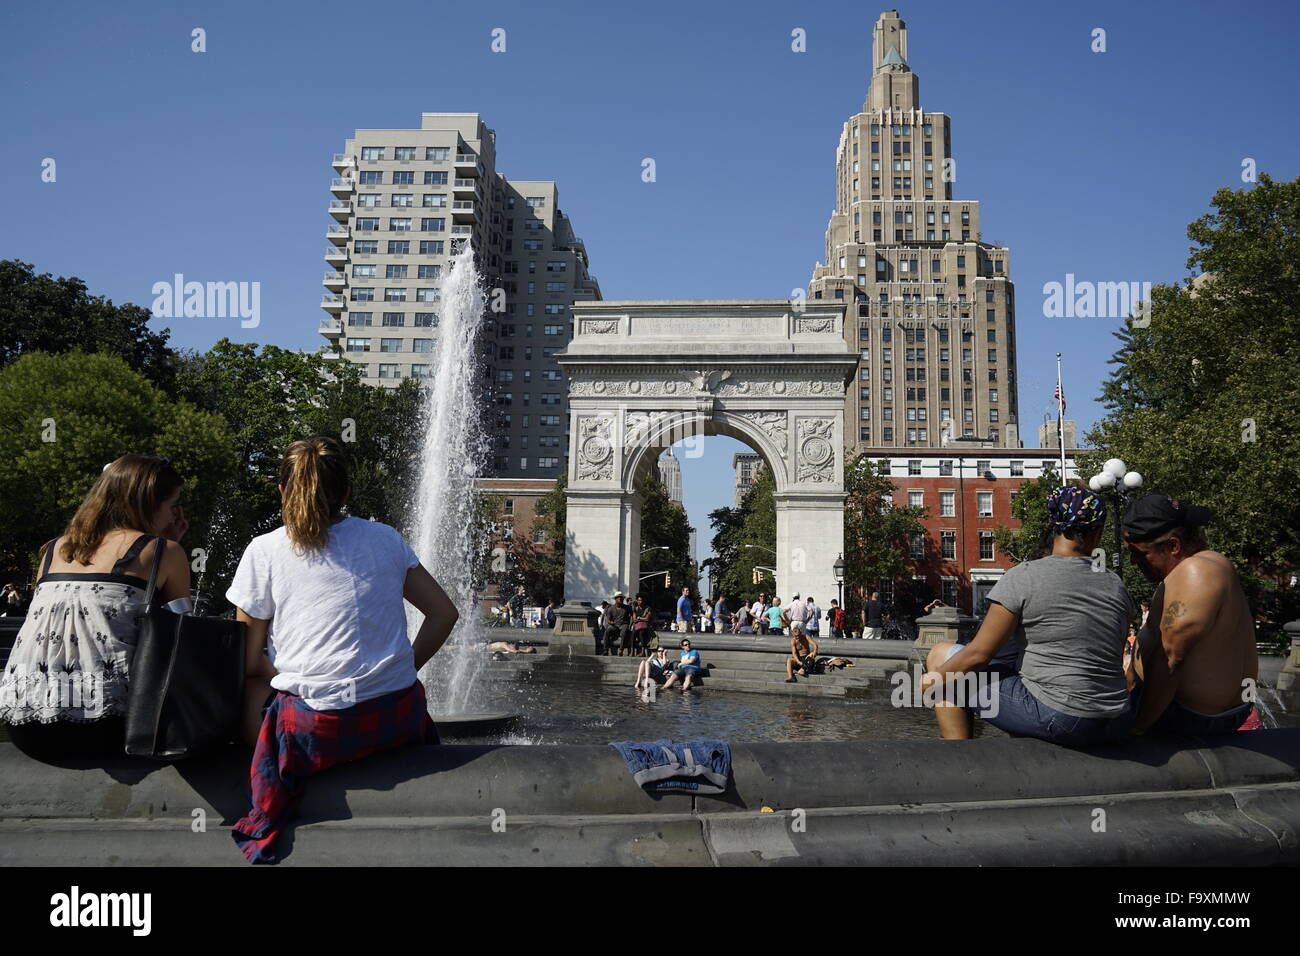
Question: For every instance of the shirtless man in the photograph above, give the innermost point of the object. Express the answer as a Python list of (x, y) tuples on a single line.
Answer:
[(801, 655), (1196, 654)]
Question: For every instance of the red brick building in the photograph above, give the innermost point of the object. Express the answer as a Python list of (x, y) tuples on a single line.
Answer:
[(968, 491), (519, 497)]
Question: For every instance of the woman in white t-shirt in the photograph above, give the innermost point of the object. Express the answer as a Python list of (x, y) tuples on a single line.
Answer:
[(323, 597)]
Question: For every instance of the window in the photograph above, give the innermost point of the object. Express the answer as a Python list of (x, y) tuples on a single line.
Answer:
[(949, 587), (913, 465), (945, 465), (372, 153), (358, 345), (916, 499), (430, 247), (401, 199), (389, 371), (362, 295), (422, 345), (404, 178), (435, 153), (982, 467), (394, 319), (948, 543), (547, 462), (434, 200), (403, 153), (916, 545), (1017, 469), (539, 536), (428, 295), (395, 272), (426, 320), (365, 247), (394, 295), (390, 345), (985, 499), (363, 272), (421, 371), (367, 224), (548, 419), (947, 504), (399, 225), (371, 178), (435, 179), (536, 201), (433, 225), (359, 318), (986, 545)]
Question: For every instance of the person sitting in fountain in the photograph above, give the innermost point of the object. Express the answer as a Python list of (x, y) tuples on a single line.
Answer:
[(1195, 656), (687, 668), (654, 669), (1047, 660), (803, 654), (331, 675), (509, 647)]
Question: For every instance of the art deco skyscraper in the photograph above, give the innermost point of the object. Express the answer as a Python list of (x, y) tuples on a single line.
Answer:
[(931, 304)]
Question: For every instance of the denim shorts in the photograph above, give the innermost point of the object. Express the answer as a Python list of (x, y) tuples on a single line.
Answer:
[(1021, 714)]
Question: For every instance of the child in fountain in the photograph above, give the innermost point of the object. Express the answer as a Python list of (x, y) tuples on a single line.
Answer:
[(331, 672)]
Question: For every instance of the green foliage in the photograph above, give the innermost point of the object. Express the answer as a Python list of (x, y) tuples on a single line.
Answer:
[(1030, 507), (664, 525), (96, 409), (1218, 366), (745, 539), (39, 313), (875, 543), (271, 397)]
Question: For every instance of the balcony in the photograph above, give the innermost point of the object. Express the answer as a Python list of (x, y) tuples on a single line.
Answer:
[(336, 255), (338, 234), (331, 302), (340, 209), (465, 187), (469, 164), (335, 280), (343, 161), (331, 328), (342, 186), (462, 231), (463, 211)]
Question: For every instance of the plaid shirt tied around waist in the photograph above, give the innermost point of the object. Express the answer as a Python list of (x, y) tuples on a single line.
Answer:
[(296, 742)]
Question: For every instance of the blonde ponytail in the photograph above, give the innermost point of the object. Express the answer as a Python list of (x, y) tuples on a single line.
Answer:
[(314, 473)]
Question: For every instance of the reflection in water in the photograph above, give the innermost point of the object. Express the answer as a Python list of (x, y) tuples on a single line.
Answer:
[(573, 713)]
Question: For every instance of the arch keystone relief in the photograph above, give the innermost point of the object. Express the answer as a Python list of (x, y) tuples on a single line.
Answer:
[(646, 375)]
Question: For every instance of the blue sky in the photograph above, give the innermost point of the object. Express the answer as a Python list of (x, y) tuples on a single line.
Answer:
[(216, 165)]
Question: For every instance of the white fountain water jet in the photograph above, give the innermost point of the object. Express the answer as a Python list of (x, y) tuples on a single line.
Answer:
[(455, 452)]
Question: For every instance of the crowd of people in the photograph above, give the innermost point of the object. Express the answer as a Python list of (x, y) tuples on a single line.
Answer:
[(323, 597)]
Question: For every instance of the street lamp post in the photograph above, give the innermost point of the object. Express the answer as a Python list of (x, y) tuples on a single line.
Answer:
[(1117, 484), (839, 577)]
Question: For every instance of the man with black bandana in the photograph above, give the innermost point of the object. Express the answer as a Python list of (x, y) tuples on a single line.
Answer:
[(1196, 653)]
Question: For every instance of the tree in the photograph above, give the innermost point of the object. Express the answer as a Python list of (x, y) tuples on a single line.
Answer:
[(1029, 506), (271, 397), (1202, 401), (746, 540), (664, 525), (67, 416), (39, 313), (876, 532)]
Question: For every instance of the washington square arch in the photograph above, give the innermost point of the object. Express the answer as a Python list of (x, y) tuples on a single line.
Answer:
[(771, 373)]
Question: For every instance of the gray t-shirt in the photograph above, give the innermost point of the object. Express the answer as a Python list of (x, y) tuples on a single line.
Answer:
[(1073, 621)]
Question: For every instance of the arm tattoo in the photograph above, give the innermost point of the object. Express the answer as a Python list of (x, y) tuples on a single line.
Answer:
[(1173, 612)]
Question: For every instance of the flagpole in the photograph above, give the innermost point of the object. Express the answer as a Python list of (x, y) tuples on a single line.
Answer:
[(1060, 415)]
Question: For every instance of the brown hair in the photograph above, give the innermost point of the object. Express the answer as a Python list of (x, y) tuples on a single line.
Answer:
[(126, 495), (314, 473)]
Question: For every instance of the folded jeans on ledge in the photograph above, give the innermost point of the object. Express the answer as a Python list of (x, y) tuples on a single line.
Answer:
[(661, 766)]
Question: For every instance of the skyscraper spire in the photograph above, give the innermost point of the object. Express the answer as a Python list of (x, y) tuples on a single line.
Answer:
[(893, 84)]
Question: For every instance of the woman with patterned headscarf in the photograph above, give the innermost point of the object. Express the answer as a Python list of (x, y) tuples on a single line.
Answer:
[(1048, 659)]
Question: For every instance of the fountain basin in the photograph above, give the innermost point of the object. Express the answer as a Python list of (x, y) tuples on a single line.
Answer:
[(473, 725)]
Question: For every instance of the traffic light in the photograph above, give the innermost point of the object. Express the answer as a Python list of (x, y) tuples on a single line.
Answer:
[(668, 580), (754, 580)]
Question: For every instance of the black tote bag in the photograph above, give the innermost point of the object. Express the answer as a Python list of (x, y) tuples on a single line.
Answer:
[(186, 684)]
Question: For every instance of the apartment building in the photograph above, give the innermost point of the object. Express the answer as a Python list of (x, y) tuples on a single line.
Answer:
[(969, 488), (933, 305), (403, 202)]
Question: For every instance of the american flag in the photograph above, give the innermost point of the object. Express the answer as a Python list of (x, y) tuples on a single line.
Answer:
[(1060, 398)]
